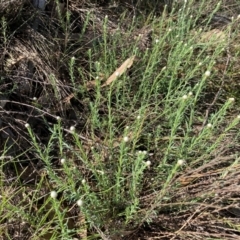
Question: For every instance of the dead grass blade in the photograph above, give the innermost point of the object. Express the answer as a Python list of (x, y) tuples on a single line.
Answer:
[(127, 64)]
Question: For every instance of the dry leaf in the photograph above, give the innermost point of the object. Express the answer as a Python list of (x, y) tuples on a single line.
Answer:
[(127, 64)]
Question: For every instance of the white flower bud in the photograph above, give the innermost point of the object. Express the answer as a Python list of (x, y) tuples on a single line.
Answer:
[(207, 73), (209, 125), (180, 162), (53, 194), (80, 202), (184, 97), (148, 163), (72, 129), (126, 139)]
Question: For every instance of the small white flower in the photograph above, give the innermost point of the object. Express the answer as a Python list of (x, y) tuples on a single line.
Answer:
[(207, 73), (157, 41), (34, 99), (180, 162), (127, 127), (238, 116), (200, 64), (184, 97), (169, 29), (139, 152), (126, 139), (148, 163), (144, 152), (190, 94), (97, 77), (185, 44), (27, 125), (238, 17), (72, 129), (80, 202), (117, 74), (209, 125), (106, 16), (62, 160), (58, 118), (73, 58), (231, 99), (83, 181), (138, 117), (191, 48), (53, 194)]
